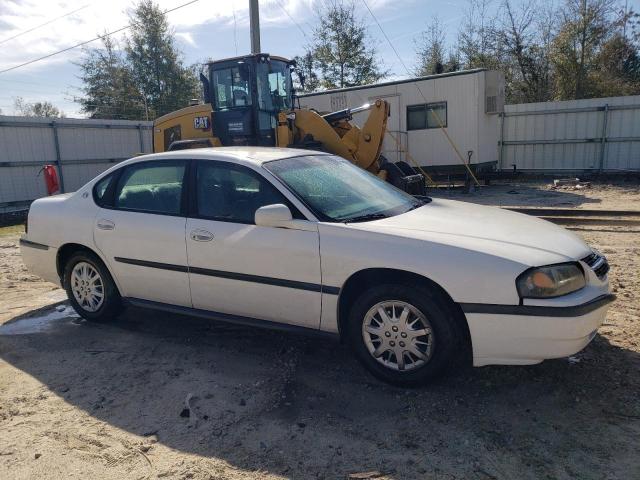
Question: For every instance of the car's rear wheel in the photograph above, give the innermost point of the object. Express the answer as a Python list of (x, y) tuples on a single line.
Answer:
[(90, 288), (402, 334)]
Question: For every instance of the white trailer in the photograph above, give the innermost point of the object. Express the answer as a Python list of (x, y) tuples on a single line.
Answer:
[(468, 103)]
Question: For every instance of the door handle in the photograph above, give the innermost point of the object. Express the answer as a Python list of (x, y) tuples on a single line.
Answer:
[(201, 235), (106, 224)]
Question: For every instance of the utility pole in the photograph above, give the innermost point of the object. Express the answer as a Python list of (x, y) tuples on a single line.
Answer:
[(254, 24)]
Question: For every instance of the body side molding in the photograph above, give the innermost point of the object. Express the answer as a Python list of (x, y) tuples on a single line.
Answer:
[(28, 243), (244, 277)]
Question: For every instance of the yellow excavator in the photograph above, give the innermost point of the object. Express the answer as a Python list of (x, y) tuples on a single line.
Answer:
[(249, 100)]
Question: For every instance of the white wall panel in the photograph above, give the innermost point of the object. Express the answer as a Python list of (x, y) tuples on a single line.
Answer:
[(562, 138), (86, 148)]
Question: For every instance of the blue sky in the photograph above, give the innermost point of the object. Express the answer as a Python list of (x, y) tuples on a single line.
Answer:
[(206, 29)]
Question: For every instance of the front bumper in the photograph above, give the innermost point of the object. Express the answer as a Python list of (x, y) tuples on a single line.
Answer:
[(526, 334)]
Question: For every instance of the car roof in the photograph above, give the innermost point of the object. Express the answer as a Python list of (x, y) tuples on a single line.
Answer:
[(241, 155)]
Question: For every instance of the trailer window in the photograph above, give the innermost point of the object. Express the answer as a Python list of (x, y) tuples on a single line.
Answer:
[(427, 115)]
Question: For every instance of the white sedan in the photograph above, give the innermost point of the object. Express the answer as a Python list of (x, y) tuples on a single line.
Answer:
[(303, 240)]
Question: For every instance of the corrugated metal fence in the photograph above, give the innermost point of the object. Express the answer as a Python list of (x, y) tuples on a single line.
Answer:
[(80, 149), (600, 134)]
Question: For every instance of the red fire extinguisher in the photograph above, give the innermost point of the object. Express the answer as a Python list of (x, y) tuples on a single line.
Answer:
[(51, 179)]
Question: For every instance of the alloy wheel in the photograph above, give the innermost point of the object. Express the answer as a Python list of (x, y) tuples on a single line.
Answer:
[(398, 335), (87, 286)]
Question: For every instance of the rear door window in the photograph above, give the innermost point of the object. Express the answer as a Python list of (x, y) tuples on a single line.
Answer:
[(101, 190), (154, 187)]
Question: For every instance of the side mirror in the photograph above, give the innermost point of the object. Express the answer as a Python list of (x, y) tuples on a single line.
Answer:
[(301, 78), (277, 215), (205, 89)]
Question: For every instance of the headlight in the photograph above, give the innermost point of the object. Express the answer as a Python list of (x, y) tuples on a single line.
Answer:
[(550, 281)]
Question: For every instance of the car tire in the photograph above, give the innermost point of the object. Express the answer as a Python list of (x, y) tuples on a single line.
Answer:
[(90, 288), (427, 338)]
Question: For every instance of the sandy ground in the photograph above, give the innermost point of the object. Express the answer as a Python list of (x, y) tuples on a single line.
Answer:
[(620, 196), (80, 400)]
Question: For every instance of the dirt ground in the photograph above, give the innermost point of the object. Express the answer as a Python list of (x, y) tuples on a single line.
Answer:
[(618, 196), (82, 400)]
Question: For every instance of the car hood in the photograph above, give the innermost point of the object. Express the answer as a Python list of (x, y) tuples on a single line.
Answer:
[(494, 230)]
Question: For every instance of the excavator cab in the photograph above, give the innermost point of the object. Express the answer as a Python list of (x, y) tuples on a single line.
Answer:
[(247, 94)]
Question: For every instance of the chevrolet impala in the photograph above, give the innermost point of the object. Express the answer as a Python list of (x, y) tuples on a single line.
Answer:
[(303, 240)]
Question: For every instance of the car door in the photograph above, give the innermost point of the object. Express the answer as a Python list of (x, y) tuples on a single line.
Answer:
[(242, 269), (140, 229)]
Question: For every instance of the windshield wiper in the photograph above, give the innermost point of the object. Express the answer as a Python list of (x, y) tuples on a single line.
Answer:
[(365, 218), (422, 201), (413, 207)]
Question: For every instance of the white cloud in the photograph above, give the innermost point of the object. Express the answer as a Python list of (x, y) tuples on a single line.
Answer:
[(99, 16), (187, 38), (83, 25), (17, 16)]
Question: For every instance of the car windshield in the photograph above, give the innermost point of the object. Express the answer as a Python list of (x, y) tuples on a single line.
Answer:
[(337, 190)]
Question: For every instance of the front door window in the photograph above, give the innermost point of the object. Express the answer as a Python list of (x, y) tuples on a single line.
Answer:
[(232, 194)]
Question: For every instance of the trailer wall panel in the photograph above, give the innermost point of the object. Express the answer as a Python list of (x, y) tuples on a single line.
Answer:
[(468, 125)]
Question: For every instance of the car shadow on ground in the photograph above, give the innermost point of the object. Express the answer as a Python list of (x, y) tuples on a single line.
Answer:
[(302, 407)]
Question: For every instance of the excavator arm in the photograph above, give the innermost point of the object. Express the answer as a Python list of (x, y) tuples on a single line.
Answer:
[(335, 133)]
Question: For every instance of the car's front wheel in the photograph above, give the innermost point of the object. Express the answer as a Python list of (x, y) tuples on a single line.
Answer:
[(402, 334), (90, 288)]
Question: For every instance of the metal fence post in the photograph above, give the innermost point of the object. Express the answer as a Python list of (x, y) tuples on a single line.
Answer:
[(58, 158), (501, 149), (603, 138), (141, 138)]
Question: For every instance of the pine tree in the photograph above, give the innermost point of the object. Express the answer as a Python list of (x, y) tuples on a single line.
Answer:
[(476, 37), (155, 62), (46, 109), (586, 27), (522, 38), (306, 67), (618, 68), (109, 89), (431, 50), (37, 109), (342, 49)]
